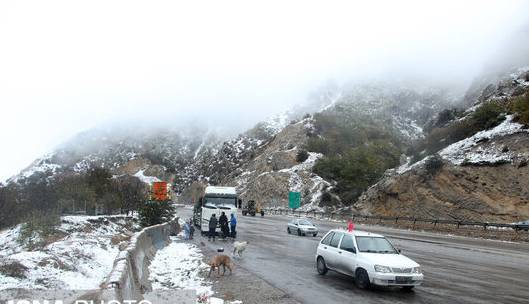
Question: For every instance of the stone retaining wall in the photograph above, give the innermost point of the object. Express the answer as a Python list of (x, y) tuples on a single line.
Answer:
[(129, 278)]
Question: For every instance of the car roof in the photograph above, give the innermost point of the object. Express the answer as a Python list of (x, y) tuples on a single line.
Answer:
[(301, 218), (357, 233)]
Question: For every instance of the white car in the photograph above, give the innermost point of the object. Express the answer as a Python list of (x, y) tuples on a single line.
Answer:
[(302, 227), (369, 258)]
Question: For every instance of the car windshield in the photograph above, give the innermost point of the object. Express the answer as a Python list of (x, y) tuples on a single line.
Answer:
[(304, 222), (374, 244), (220, 202)]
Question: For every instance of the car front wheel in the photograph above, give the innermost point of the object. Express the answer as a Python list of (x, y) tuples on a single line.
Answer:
[(288, 230), (321, 267), (314, 234), (299, 232), (362, 279), (407, 288)]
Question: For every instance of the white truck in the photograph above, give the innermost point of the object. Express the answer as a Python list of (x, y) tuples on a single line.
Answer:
[(215, 201)]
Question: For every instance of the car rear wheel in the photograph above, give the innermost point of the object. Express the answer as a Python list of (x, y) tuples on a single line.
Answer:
[(362, 279), (321, 266), (315, 234), (288, 230)]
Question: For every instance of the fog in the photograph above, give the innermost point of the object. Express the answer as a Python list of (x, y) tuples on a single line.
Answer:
[(67, 66)]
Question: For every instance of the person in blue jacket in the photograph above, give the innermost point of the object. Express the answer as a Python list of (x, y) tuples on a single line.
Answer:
[(233, 225)]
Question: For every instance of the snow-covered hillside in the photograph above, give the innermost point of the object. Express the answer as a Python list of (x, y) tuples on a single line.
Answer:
[(79, 256), (480, 148)]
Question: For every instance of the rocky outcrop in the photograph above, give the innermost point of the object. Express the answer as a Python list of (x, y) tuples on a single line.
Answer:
[(275, 170), (483, 178), (481, 193)]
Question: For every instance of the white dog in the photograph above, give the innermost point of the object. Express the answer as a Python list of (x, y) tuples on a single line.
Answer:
[(238, 248)]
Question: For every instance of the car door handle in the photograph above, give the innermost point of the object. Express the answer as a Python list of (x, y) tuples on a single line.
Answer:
[(339, 252), (324, 247)]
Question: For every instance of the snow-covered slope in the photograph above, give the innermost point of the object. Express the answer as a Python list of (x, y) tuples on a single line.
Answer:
[(482, 177), (480, 149), (79, 256)]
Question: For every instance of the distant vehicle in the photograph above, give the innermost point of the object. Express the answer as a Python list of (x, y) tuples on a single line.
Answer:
[(302, 227), (369, 258), (251, 208), (215, 201)]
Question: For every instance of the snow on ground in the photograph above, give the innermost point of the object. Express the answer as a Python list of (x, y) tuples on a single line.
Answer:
[(80, 258), (146, 179), (276, 123), (306, 165), (42, 165), (178, 266), (407, 127), (466, 152)]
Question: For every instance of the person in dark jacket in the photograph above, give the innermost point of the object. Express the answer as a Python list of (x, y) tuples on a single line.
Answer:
[(212, 227), (191, 229), (223, 222), (233, 224)]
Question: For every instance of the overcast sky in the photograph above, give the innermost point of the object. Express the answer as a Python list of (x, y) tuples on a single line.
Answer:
[(66, 66)]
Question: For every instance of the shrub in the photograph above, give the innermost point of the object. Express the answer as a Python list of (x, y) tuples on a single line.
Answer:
[(13, 269), (358, 168), (302, 156), (520, 107), (155, 212), (318, 145), (434, 164), (487, 116), (38, 227)]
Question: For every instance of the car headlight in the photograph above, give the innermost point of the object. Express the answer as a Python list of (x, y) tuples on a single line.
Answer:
[(416, 270), (383, 269)]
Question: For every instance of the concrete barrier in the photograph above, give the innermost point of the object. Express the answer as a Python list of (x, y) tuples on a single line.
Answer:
[(129, 278)]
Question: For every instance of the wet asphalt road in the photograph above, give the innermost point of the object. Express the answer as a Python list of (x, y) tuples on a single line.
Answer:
[(456, 269)]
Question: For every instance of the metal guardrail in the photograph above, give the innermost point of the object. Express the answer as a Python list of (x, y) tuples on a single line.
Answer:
[(396, 220)]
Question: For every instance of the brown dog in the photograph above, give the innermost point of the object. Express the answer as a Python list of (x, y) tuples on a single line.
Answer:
[(220, 260)]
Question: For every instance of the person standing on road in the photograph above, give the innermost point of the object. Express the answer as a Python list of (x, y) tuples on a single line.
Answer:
[(191, 229), (212, 227), (233, 225), (187, 231), (350, 226), (223, 222)]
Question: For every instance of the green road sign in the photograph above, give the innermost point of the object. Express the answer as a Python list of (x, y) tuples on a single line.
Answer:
[(294, 200)]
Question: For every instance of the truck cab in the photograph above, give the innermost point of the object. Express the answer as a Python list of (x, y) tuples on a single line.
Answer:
[(214, 201)]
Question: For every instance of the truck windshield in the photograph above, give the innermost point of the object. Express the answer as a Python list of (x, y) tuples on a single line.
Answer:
[(374, 244), (220, 202)]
